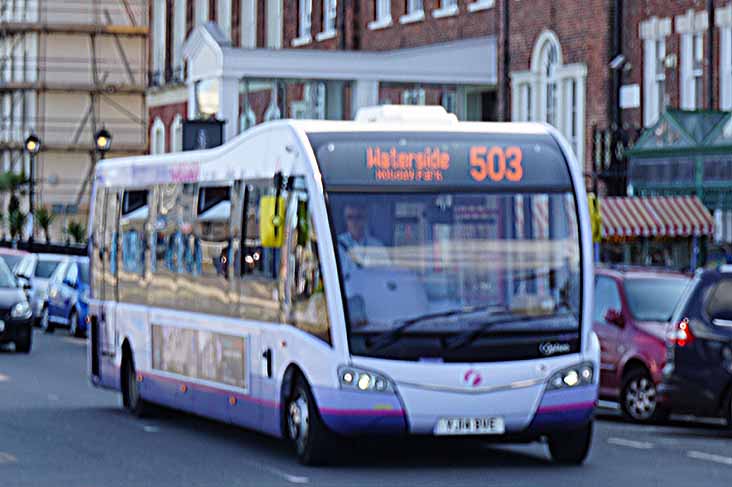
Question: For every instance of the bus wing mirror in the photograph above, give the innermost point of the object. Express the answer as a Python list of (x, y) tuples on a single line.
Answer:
[(271, 228)]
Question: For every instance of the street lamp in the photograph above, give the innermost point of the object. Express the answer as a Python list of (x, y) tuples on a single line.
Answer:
[(33, 147), (103, 141)]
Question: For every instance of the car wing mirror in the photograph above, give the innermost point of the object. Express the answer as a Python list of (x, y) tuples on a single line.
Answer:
[(615, 317)]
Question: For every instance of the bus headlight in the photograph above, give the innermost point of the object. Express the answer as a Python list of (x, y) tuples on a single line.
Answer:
[(579, 375), (363, 380)]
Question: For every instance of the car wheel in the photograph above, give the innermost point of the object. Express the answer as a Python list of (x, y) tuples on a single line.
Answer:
[(639, 398), (74, 328), (25, 342), (131, 398), (314, 444), (571, 447), (46, 324)]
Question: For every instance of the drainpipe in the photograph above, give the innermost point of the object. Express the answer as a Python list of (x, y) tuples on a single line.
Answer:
[(710, 56), (617, 74), (506, 61), (342, 25)]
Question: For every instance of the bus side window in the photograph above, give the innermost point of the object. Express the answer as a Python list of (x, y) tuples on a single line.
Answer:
[(134, 214), (307, 291), (161, 292), (256, 260), (213, 231)]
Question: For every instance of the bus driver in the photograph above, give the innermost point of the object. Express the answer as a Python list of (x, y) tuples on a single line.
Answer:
[(357, 248)]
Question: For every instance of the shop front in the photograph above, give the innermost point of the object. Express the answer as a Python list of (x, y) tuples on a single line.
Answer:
[(672, 232), (245, 87)]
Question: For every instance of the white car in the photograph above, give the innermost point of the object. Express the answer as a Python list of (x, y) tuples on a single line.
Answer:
[(35, 270)]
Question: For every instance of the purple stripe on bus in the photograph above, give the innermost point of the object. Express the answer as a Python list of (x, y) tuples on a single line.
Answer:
[(565, 407)]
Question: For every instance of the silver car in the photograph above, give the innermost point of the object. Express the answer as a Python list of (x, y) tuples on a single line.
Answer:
[(34, 271)]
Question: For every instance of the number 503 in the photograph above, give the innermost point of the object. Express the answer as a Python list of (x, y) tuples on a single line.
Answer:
[(496, 163)]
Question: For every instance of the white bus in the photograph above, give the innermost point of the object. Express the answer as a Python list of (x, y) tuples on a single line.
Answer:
[(403, 273)]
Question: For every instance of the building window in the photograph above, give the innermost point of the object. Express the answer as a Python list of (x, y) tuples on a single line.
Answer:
[(414, 13), (481, 5), (274, 24), (207, 98), (552, 92), (691, 27), (223, 12), (382, 17), (249, 23), (724, 22), (654, 32), (305, 11), (330, 12), (415, 96), (159, 38), (698, 70), (157, 137), (447, 9), (179, 36), (201, 11), (176, 134)]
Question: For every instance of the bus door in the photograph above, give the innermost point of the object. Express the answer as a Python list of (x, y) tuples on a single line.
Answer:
[(108, 331)]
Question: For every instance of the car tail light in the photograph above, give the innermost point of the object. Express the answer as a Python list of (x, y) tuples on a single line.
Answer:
[(681, 333)]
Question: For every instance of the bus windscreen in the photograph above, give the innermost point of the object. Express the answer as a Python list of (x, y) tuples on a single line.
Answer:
[(491, 162)]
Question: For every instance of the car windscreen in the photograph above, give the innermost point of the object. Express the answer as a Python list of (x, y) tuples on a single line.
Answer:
[(654, 299), (84, 272), (44, 268), (11, 260), (7, 279)]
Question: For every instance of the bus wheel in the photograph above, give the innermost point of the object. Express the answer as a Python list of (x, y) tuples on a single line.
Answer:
[(131, 398), (571, 447), (313, 442)]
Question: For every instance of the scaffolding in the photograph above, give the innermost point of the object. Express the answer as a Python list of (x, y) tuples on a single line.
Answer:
[(67, 69)]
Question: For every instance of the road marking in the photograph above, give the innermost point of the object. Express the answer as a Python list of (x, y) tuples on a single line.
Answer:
[(53, 397), (150, 429), (7, 458), (608, 405), (4, 378), (293, 479), (75, 341), (710, 457), (640, 445)]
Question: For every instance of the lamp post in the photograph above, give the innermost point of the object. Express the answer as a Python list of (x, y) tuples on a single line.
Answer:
[(33, 147), (103, 142)]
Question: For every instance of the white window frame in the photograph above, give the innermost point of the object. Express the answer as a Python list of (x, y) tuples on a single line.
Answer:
[(176, 134), (448, 8), (223, 17), (415, 96), (179, 37), (479, 5), (723, 16), (415, 12), (691, 26), (653, 33), (382, 15), (304, 23), (529, 92), (159, 40), (248, 35), (201, 14), (157, 137), (274, 24), (330, 15)]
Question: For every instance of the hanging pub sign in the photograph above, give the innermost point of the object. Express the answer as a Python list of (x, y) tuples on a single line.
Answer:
[(202, 134)]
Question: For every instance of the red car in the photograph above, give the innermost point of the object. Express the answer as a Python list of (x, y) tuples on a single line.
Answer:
[(631, 310)]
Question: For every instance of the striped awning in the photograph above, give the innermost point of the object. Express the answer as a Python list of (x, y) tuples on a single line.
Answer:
[(655, 216)]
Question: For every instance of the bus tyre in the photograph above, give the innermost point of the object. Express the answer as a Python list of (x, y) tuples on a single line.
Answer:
[(314, 444), (25, 341), (46, 324), (571, 447), (131, 398)]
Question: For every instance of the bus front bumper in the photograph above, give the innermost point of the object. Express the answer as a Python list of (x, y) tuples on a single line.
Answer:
[(530, 411)]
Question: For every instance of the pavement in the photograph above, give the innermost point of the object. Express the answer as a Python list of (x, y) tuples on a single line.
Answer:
[(57, 430)]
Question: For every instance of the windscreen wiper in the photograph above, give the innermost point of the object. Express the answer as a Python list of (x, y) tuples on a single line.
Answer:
[(391, 336), (470, 336)]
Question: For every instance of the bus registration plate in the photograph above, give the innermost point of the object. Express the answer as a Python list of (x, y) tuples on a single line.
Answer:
[(470, 426)]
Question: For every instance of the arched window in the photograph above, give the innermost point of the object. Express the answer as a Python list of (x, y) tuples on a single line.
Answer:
[(552, 91), (157, 137), (176, 134)]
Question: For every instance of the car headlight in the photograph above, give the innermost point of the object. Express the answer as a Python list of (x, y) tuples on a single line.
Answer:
[(21, 310), (363, 380), (576, 376)]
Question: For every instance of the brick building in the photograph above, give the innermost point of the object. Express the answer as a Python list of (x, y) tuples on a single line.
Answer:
[(577, 64)]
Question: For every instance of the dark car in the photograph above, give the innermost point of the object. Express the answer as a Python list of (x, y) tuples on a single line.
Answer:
[(632, 310), (68, 297), (16, 317), (697, 377)]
